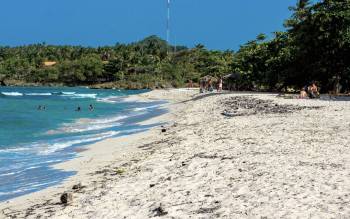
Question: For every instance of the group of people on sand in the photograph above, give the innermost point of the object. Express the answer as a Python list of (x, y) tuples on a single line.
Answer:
[(310, 91), (207, 85)]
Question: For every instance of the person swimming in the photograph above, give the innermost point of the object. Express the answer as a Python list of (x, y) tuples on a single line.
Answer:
[(41, 107), (91, 107), (78, 109)]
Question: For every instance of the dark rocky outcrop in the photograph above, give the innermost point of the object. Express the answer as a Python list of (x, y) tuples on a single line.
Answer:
[(66, 198)]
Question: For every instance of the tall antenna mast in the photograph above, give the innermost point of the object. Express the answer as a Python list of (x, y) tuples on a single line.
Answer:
[(168, 23)]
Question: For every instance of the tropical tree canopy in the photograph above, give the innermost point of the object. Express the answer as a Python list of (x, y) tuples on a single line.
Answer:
[(315, 46)]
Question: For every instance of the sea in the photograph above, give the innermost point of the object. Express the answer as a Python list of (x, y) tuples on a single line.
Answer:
[(44, 126)]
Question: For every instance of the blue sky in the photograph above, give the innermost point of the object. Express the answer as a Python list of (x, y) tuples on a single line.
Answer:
[(218, 24)]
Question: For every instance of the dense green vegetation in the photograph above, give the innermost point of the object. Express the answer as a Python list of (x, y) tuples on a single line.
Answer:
[(315, 46)]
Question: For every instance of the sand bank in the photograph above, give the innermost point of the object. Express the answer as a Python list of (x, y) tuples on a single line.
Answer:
[(222, 156)]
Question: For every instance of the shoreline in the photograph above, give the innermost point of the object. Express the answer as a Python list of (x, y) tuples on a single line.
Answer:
[(269, 158), (92, 158)]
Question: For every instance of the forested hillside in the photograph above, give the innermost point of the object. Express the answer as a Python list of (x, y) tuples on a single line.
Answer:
[(314, 47)]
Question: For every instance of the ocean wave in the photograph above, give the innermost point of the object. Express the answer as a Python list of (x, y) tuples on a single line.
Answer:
[(45, 149), (93, 96), (63, 93), (108, 120), (17, 149), (8, 174), (85, 124), (84, 128), (74, 94), (12, 93), (111, 99), (68, 93), (38, 94), (147, 107), (15, 191)]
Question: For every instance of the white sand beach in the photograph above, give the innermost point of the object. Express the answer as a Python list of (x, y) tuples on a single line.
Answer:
[(242, 155)]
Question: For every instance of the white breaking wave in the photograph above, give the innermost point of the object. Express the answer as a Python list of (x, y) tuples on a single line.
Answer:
[(84, 124), (111, 99), (83, 128), (45, 149), (84, 96), (18, 149), (147, 107), (16, 191), (12, 93), (38, 94), (109, 120), (68, 93)]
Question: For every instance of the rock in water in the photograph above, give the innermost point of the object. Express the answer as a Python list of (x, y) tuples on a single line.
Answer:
[(66, 198)]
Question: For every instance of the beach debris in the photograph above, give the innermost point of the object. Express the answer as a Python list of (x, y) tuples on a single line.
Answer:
[(119, 171), (78, 186), (104, 171), (163, 130), (66, 198), (151, 185), (208, 210), (158, 212), (247, 106)]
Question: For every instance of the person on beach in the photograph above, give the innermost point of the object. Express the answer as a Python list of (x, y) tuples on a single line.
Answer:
[(313, 91), (210, 85), (202, 86), (190, 84), (303, 93), (220, 84)]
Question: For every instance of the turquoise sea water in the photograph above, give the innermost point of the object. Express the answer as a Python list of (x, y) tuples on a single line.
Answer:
[(40, 127)]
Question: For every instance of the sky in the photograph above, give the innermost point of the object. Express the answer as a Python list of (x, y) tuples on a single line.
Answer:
[(217, 24)]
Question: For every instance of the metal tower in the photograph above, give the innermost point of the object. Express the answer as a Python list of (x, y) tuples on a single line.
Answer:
[(168, 23)]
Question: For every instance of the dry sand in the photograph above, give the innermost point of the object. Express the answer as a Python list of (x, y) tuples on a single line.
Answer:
[(223, 156)]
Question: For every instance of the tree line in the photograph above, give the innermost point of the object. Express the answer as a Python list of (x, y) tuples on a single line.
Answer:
[(315, 46)]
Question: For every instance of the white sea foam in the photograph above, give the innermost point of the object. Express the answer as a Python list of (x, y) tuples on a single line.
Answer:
[(15, 191), (68, 93), (107, 100), (45, 149), (147, 107), (108, 120), (38, 94), (12, 93), (84, 96), (8, 174), (83, 128), (85, 124), (17, 149), (75, 95)]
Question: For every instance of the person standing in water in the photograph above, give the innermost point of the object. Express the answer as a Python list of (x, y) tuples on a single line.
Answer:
[(91, 107), (78, 109)]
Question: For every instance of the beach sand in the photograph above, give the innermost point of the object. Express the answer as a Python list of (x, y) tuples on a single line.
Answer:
[(243, 155)]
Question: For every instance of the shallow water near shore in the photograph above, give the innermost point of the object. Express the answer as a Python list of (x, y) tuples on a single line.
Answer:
[(41, 127)]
